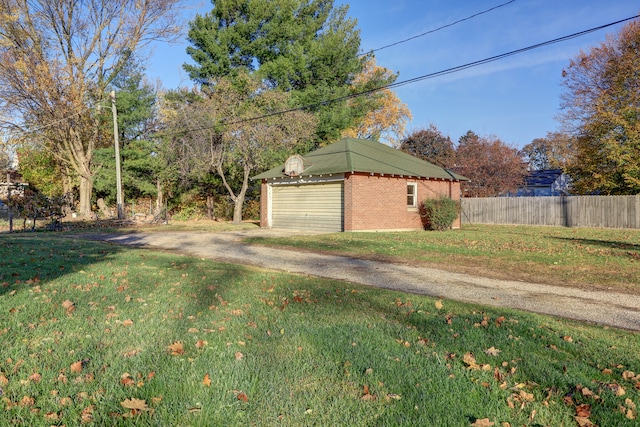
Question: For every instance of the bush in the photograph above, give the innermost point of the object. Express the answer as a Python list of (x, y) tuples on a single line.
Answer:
[(439, 214)]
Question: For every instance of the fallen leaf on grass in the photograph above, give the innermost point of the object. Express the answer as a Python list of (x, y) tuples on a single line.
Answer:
[(127, 380), (176, 349), (584, 422), (87, 415), (583, 411), (76, 367), (239, 355), (483, 423), (136, 404), (69, 306), (207, 380), (439, 305), (492, 351), (366, 395), (201, 344), (243, 397)]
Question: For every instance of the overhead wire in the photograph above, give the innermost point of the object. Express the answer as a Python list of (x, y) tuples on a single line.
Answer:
[(329, 101), (451, 24), (434, 74)]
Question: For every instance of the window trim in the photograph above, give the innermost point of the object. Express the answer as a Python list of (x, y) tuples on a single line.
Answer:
[(413, 194)]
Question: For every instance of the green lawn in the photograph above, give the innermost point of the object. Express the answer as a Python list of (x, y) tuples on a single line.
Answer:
[(97, 334), (584, 257)]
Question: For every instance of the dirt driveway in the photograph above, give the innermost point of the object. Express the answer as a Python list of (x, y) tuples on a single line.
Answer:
[(606, 308)]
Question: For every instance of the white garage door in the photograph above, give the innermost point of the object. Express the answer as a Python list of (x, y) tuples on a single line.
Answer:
[(308, 207)]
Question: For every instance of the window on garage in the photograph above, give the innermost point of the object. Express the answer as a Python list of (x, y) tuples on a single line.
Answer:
[(412, 194)]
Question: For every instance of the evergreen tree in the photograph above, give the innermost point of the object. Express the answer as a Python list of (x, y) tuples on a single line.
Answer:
[(305, 47)]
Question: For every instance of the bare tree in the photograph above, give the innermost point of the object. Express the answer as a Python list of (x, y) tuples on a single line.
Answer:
[(236, 126), (57, 60)]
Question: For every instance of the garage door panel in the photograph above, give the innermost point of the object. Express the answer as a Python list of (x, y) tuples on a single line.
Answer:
[(308, 207)]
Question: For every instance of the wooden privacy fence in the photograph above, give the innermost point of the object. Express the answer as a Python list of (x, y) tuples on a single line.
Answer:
[(567, 211)]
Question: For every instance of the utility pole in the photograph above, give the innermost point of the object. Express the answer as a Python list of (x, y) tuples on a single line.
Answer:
[(119, 198)]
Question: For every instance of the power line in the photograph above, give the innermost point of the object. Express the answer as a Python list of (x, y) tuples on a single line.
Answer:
[(437, 29), (330, 101), (431, 75)]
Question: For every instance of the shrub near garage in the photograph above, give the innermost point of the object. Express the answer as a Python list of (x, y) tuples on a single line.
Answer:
[(439, 214)]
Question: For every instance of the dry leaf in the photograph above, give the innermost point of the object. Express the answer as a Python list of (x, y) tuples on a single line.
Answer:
[(76, 367), (239, 355), (27, 401), (529, 397), (201, 344), (133, 403), (127, 322), (176, 348), (243, 397), (439, 305), (629, 403), (584, 422), (483, 423), (127, 380), (207, 380), (586, 392), (583, 411), (492, 351)]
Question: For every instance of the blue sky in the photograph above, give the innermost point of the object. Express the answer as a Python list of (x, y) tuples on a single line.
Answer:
[(515, 99)]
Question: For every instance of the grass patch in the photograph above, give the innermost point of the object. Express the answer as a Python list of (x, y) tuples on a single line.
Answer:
[(588, 257), (99, 334)]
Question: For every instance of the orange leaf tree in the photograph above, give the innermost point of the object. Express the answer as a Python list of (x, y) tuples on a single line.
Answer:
[(601, 106), (385, 115)]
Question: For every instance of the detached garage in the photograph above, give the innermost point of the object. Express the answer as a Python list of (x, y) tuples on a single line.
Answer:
[(352, 185)]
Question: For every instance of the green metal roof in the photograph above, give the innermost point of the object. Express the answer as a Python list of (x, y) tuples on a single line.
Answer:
[(363, 155)]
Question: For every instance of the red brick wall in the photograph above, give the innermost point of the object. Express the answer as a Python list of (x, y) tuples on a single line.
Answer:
[(380, 202)]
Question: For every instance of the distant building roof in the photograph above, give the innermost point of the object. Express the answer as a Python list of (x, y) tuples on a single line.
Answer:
[(363, 155), (543, 178)]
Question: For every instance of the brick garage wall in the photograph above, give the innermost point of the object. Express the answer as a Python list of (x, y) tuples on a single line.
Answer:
[(374, 202)]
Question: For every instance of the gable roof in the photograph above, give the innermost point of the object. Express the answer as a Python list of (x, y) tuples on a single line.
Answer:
[(543, 178), (363, 155)]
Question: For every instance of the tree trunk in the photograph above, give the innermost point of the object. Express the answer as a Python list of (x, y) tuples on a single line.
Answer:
[(86, 190), (239, 200), (211, 207), (159, 197)]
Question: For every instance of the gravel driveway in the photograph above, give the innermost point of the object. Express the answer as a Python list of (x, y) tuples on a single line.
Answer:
[(607, 308)]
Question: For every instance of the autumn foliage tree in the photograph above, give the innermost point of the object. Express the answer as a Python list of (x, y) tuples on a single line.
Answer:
[(601, 107), (493, 167), (430, 145), (385, 116), (555, 151), (57, 61)]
